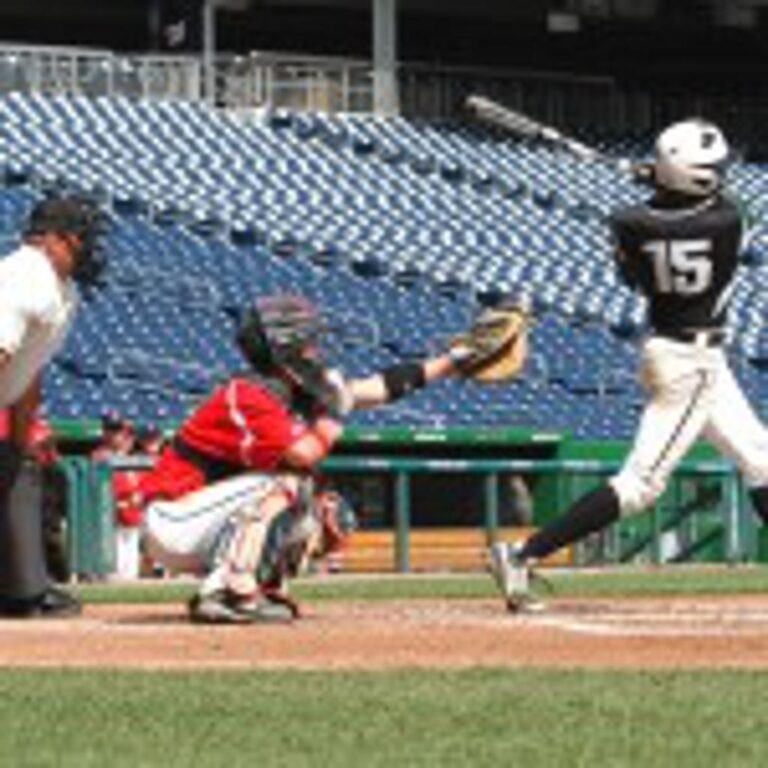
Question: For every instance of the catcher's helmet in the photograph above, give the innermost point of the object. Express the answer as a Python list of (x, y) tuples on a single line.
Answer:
[(691, 157), (73, 216), (282, 333)]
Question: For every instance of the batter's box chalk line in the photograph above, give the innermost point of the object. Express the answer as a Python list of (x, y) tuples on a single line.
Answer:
[(705, 622)]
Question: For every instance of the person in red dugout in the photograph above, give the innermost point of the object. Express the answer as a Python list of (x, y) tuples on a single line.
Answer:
[(247, 454), (118, 438)]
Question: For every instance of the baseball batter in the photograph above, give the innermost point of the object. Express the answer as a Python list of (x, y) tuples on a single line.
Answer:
[(246, 457), (680, 249)]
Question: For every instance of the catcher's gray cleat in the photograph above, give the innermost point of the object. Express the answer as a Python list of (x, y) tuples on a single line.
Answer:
[(225, 607), (513, 577)]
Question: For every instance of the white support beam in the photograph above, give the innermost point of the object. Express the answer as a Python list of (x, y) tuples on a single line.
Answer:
[(386, 99), (209, 51)]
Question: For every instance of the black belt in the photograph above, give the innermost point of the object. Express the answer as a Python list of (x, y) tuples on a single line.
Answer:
[(214, 469), (709, 338)]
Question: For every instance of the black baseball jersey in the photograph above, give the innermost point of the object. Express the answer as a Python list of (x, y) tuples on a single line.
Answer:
[(682, 255)]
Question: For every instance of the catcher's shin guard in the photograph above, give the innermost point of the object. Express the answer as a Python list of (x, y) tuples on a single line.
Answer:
[(241, 545)]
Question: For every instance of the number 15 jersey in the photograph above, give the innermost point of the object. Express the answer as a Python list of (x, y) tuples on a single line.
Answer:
[(682, 256)]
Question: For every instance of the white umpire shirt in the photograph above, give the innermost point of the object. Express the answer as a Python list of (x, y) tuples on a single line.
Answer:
[(37, 309)]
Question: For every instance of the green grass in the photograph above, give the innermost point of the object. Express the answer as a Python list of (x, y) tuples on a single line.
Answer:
[(680, 580), (476, 718)]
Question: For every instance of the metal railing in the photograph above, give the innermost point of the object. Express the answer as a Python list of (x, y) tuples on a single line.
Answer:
[(575, 476), (258, 80), (92, 73), (727, 516), (317, 84), (265, 80)]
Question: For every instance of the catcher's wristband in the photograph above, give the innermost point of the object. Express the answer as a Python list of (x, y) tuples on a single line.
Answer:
[(402, 379)]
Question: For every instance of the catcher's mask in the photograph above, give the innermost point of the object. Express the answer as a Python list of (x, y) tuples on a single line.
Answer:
[(282, 334), (73, 216)]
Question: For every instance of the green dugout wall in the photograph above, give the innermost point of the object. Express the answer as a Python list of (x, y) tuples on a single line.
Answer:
[(419, 474)]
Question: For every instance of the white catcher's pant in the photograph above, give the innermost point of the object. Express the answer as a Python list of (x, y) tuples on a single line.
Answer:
[(185, 534), (692, 393)]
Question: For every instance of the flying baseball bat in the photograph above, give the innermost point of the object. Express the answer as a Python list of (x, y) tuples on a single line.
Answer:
[(488, 111)]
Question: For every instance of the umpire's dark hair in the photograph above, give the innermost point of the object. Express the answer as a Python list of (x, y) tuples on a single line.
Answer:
[(59, 216), (72, 216)]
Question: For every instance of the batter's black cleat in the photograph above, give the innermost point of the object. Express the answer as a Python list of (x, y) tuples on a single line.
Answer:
[(54, 603)]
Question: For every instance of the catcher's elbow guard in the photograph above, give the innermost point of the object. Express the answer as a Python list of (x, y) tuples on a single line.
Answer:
[(402, 379)]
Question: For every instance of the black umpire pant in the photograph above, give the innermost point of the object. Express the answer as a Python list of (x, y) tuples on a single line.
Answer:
[(22, 560)]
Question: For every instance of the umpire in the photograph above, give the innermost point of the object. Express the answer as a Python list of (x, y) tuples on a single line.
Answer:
[(38, 302)]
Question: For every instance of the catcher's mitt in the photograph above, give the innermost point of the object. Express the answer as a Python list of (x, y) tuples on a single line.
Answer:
[(496, 346)]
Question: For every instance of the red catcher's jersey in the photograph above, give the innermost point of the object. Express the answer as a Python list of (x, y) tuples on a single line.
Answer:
[(241, 424)]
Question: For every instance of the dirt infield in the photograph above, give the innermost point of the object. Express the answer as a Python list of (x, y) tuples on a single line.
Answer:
[(595, 633)]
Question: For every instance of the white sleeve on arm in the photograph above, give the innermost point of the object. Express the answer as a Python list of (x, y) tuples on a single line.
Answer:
[(14, 316)]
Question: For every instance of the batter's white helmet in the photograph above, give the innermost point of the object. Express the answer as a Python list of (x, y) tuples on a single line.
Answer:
[(691, 157)]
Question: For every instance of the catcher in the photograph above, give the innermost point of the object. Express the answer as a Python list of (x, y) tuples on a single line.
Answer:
[(242, 464)]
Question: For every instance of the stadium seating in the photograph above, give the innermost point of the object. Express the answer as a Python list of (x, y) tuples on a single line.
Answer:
[(399, 229)]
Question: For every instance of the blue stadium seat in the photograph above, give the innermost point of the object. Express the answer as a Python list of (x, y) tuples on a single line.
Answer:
[(406, 225)]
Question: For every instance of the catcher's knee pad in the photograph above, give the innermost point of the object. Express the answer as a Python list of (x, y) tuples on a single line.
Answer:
[(290, 540), (237, 554), (636, 491)]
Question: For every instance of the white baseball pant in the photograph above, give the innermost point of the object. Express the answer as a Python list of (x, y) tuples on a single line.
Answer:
[(692, 394), (220, 529)]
